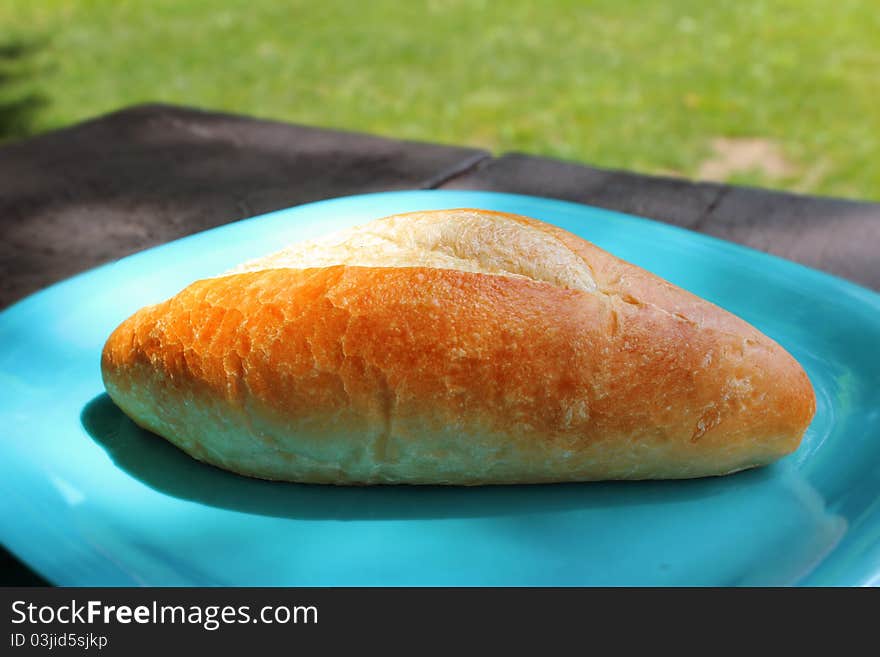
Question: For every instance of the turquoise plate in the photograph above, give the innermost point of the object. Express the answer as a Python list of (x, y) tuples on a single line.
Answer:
[(87, 498)]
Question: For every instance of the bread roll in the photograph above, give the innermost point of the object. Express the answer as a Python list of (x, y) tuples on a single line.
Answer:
[(455, 347)]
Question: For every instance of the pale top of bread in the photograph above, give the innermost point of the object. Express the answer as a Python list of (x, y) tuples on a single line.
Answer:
[(461, 240)]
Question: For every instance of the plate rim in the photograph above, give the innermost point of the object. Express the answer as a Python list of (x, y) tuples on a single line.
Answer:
[(867, 295)]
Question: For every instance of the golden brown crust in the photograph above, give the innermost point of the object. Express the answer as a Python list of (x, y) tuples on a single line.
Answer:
[(421, 375)]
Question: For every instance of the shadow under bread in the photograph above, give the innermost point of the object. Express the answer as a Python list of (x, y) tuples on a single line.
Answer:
[(165, 468)]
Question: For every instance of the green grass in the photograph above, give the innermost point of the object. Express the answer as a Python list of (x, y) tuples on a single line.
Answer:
[(638, 85)]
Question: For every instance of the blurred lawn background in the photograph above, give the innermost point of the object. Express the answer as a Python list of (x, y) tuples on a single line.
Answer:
[(782, 94)]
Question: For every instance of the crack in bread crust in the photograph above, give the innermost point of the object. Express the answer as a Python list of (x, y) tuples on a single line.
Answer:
[(461, 240)]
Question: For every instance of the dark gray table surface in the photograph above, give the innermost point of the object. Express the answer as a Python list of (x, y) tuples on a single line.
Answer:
[(75, 198)]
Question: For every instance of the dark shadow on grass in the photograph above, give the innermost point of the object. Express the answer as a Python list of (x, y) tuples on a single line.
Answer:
[(163, 467), (19, 106)]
